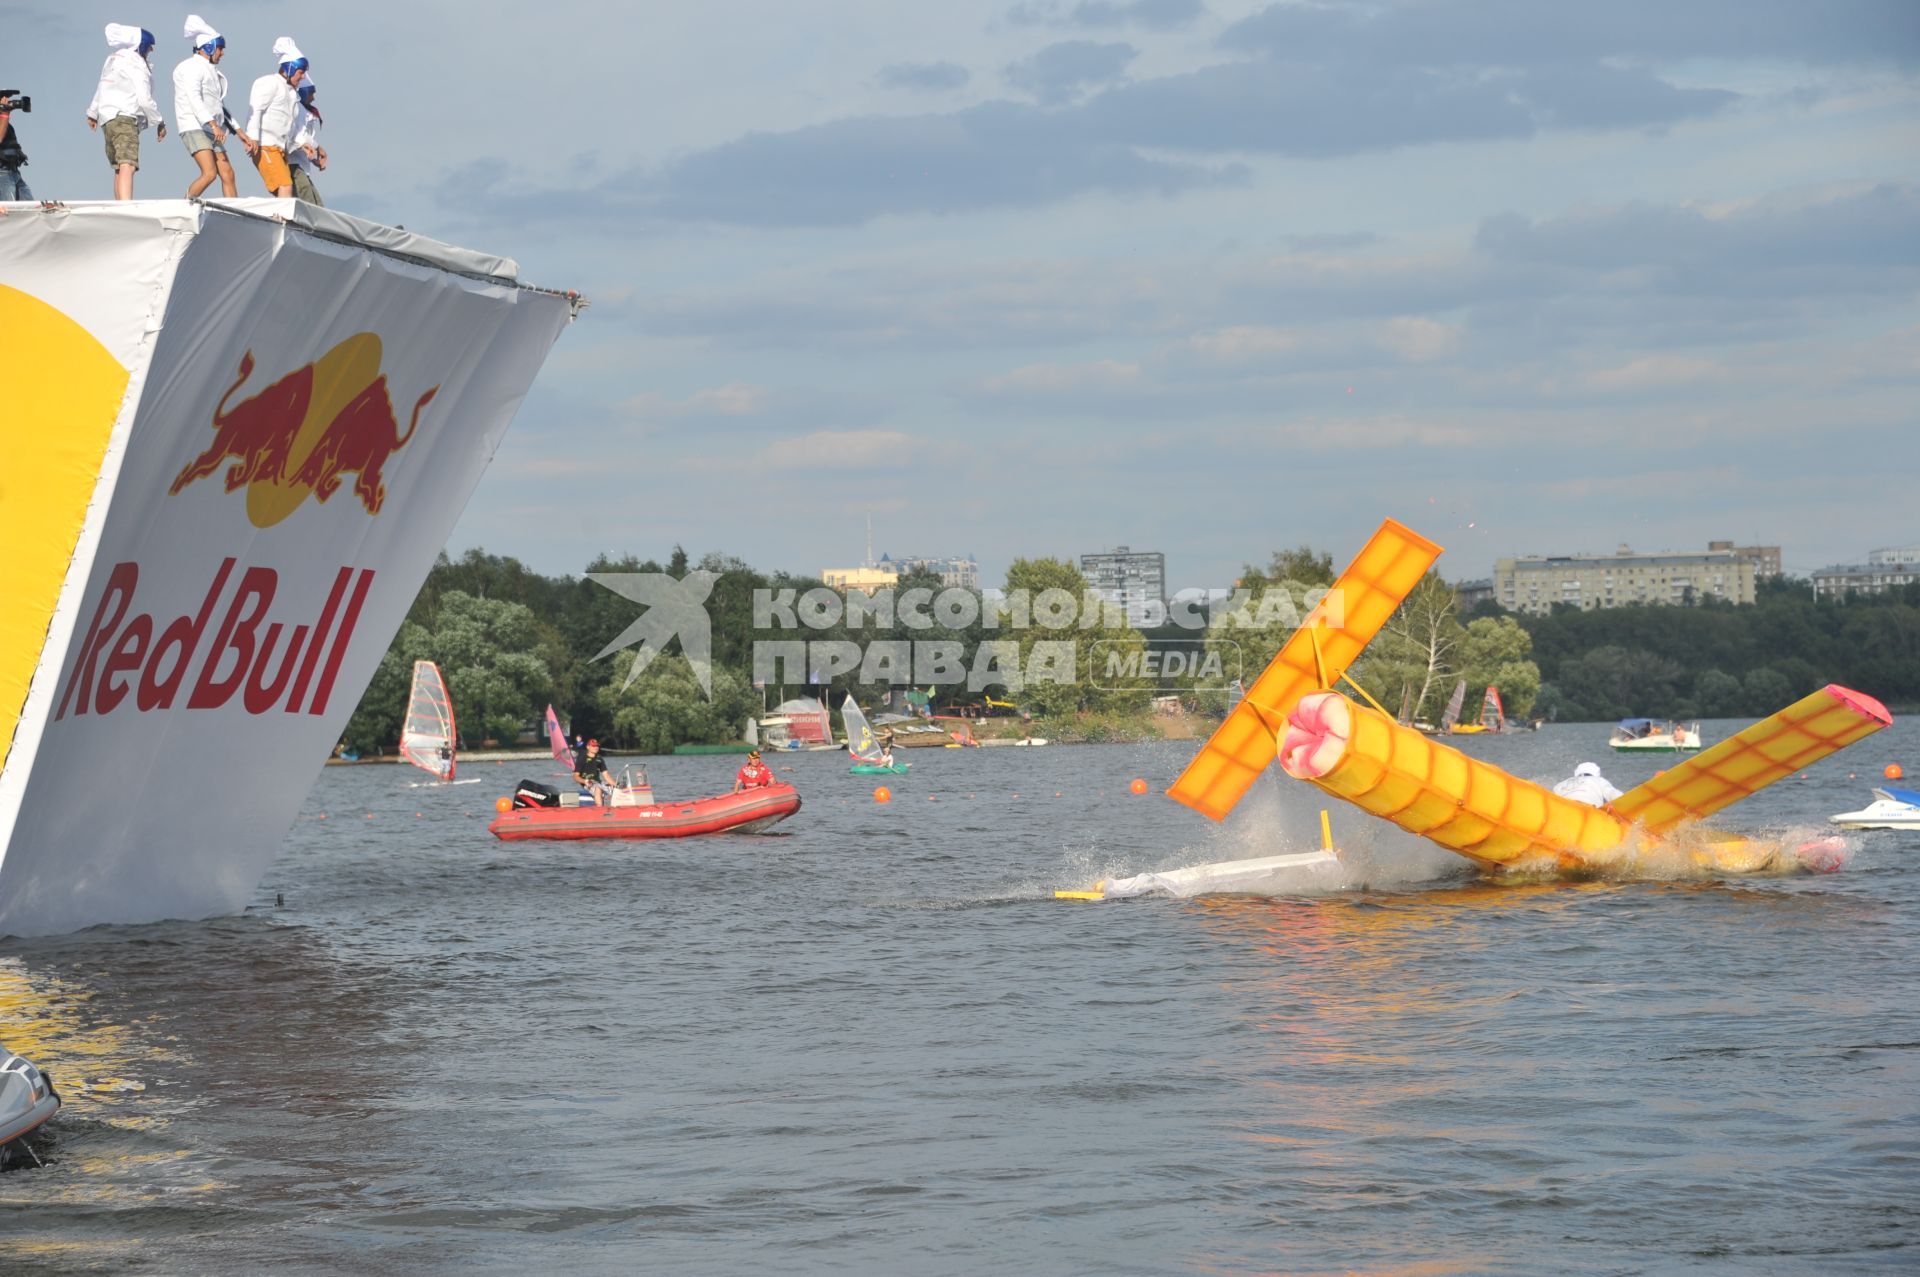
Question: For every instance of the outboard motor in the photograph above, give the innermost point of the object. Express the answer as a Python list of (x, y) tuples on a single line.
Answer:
[(531, 793)]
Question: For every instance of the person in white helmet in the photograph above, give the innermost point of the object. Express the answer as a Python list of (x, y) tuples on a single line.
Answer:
[(123, 104), (200, 108), (1588, 786), (275, 104)]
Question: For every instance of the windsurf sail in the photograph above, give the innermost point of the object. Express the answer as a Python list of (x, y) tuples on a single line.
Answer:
[(1493, 715), (557, 740), (1458, 699), (860, 741), (753, 732), (426, 740)]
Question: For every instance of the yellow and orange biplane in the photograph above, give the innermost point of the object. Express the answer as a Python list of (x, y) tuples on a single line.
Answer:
[(1354, 751)]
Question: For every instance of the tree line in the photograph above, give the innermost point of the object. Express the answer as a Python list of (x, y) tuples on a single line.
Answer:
[(509, 641)]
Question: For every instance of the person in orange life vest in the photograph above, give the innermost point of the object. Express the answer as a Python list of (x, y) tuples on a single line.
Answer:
[(755, 775)]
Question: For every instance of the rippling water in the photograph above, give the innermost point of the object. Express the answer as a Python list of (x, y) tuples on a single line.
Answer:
[(874, 1043)]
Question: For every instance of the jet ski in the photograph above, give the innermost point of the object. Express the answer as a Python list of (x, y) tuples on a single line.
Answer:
[(1890, 809), (27, 1099)]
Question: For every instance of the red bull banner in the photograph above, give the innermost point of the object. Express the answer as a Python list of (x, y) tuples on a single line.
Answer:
[(249, 438)]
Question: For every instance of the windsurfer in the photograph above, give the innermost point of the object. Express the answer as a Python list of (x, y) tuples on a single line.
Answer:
[(591, 772), (754, 775)]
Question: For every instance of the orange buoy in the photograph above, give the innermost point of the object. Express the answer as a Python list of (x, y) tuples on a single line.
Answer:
[(1138, 786), (503, 804), (883, 795), (1893, 771)]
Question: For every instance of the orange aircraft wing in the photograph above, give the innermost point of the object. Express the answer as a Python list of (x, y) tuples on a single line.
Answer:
[(1384, 573), (1748, 761)]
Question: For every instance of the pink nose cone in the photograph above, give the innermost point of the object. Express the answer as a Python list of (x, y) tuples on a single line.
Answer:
[(1316, 736)]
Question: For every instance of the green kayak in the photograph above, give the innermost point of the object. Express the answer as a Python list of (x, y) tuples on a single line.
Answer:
[(874, 769)]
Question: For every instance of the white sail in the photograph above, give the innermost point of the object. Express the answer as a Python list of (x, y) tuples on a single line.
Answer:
[(753, 731), (1452, 716), (426, 739), (860, 741)]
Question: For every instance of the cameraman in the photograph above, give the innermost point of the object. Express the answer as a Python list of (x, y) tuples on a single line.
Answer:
[(12, 158)]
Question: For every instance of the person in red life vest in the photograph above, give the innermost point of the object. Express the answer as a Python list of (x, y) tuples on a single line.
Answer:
[(755, 775)]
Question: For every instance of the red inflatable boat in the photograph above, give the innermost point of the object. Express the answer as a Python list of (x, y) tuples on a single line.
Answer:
[(743, 813)]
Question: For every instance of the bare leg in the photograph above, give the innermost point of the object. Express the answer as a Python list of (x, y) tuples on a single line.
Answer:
[(228, 186), (205, 160), (123, 181)]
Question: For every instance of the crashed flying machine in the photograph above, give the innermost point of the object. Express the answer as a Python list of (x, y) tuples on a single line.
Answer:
[(1354, 751)]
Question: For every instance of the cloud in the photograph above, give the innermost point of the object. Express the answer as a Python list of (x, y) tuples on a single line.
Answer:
[(930, 77), (850, 450), (1062, 72), (1510, 33), (735, 399), (846, 172), (1042, 380), (1159, 15)]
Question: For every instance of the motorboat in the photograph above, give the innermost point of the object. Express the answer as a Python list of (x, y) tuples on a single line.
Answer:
[(1890, 809), (27, 1100), (537, 810), (1655, 735)]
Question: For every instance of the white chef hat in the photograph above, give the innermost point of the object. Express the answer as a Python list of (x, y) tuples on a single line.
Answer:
[(122, 36), (285, 50), (199, 31), (1587, 769)]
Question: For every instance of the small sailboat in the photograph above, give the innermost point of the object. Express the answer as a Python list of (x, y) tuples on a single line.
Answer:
[(1450, 721), (1493, 714), (557, 740), (861, 743), (427, 736)]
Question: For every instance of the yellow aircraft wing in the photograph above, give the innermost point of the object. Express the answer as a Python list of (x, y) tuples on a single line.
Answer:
[(1748, 761), (1384, 573)]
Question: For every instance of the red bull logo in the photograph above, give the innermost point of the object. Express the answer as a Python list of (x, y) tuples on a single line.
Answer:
[(298, 436), (269, 662)]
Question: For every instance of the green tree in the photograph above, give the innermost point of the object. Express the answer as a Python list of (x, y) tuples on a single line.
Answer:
[(1091, 688), (1496, 652), (1767, 690), (1719, 694), (666, 705), (1412, 659)]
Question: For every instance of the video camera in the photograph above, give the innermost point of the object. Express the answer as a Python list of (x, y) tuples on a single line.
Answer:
[(19, 102)]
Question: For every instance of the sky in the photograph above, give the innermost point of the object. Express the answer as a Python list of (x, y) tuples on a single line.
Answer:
[(1207, 277)]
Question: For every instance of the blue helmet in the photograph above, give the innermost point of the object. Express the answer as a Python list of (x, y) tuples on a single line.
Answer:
[(146, 42), (288, 68), (218, 42)]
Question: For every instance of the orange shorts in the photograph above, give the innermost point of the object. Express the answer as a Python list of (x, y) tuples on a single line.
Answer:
[(272, 163)]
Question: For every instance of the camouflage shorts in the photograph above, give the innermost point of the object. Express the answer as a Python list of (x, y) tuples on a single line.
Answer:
[(123, 140)]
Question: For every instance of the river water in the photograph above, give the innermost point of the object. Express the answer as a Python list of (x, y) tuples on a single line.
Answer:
[(872, 1042)]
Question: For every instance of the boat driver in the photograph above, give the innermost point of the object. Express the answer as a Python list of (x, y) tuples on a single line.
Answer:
[(755, 775), (1588, 786), (591, 772)]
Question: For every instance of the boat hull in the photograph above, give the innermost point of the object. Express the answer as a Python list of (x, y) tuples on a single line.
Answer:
[(27, 1099), (871, 769), (744, 813)]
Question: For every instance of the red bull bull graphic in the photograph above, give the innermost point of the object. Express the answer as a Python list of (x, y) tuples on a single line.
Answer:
[(300, 434)]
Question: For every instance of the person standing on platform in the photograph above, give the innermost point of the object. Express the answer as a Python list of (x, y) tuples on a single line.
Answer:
[(123, 105), (307, 153), (200, 108), (13, 187), (274, 102)]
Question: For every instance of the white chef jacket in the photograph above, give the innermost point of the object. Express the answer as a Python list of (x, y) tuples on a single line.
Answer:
[(274, 105), (199, 94), (126, 88), (306, 132), (1594, 791)]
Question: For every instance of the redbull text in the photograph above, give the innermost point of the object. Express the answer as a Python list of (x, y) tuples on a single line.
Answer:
[(303, 432), (240, 658)]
